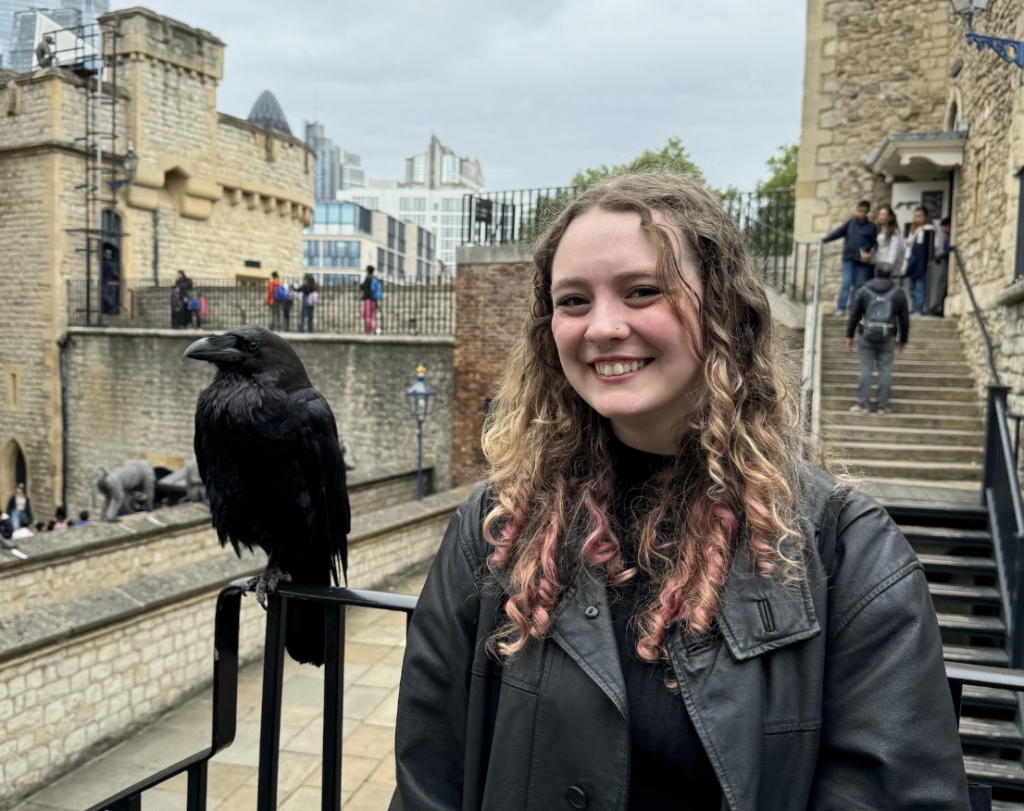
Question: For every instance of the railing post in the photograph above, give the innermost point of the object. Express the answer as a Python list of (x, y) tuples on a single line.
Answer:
[(993, 453), (270, 719), (334, 691)]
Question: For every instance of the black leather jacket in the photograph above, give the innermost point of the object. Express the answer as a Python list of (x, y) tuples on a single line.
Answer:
[(829, 695)]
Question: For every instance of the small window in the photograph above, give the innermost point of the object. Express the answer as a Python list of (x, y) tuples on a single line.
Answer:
[(253, 263), (13, 375), (310, 254)]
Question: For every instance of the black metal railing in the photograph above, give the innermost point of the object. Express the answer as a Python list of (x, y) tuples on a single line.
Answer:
[(404, 309), (810, 377), (1000, 490), (765, 218), (225, 712)]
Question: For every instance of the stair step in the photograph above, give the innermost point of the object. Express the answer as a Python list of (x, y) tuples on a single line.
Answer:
[(937, 366), (979, 538), (957, 564), (921, 421), (988, 731), (909, 452), (989, 697), (996, 657), (955, 591), (900, 378), (879, 431), (940, 393), (970, 624), (928, 471), (903, 403), (995, 772)]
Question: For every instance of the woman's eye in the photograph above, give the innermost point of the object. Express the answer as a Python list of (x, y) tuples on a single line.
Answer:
[(643, 292), (571, 301)]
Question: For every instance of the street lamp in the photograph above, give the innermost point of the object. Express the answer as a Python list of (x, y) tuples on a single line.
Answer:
[(1011, 50), (420, 399), (130, 161)]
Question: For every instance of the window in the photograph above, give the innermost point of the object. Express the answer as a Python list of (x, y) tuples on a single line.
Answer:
[(253, 263), (419, 241), (338, 279), (392, 228), (339, 254), (419, 174), (431, 242), (380, 260), (451, 204), (401, 268), (412, 203), (311, 253), (391, 263), (401, 237), (449, 169)]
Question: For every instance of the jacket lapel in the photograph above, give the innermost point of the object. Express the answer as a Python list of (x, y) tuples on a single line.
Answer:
[(582, 627)]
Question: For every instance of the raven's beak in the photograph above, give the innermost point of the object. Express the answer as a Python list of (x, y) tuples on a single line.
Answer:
[(215, 349)]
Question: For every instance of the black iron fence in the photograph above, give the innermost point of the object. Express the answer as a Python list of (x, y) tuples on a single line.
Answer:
[(335, 601), (764, 217), (404, 309)]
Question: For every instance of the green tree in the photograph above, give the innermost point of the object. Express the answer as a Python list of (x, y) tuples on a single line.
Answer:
[(783, 169), (673, 157)]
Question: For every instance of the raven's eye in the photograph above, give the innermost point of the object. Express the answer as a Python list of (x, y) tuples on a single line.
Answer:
[(254, 345)]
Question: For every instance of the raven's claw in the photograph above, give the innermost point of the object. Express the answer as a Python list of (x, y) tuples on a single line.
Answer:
[(267, 582)]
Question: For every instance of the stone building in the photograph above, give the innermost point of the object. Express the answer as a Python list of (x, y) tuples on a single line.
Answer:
[(898, 108), (212, 195)]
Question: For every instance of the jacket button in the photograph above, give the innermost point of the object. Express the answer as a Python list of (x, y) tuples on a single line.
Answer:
[(590, 612), (576, 797)]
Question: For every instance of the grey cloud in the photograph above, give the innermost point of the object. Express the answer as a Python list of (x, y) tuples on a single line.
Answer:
[(534, 90)]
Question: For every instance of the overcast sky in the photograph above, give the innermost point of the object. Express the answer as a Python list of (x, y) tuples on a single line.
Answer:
[(534, 89)]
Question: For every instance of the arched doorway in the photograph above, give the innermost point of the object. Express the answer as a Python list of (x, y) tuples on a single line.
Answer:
[(13, 469), (110, 263)]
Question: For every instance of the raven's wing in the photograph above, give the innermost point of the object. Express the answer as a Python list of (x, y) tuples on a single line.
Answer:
[(323, 467)]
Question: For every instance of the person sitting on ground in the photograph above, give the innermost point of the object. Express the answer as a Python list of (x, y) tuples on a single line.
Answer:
[(879, 314), (83, 518), (59, 520), (6, 531), (860, 238)]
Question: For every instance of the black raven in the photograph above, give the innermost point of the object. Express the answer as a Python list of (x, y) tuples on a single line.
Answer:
[(268, 452)]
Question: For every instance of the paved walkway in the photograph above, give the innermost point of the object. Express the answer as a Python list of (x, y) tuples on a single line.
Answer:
[(375, 644)]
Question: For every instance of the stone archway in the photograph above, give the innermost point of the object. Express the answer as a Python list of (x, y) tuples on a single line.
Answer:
[(14, 469)]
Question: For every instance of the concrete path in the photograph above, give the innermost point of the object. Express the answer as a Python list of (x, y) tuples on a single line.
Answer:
[(375, 644)]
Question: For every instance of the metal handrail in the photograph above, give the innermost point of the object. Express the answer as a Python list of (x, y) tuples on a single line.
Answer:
[(811, 342), (990, 356)]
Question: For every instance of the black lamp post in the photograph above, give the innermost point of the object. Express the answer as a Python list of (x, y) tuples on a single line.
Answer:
[(130, 161), (420, 399), (1011, 50)]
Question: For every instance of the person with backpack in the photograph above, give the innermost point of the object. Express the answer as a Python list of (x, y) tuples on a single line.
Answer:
[(880, 314), (371, 290), (310, 298), (277, 295)]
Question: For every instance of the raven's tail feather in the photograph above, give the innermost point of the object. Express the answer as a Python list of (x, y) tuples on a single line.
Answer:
[(304, 632)]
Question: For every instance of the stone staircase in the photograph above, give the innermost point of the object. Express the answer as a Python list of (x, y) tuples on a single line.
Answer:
[(935, 432)]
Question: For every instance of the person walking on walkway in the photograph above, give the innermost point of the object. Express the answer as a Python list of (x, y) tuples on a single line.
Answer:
[(275, 300), (879, 314), (921, 244), (20, 508), (859, 237), (310, 298), (371, 290)]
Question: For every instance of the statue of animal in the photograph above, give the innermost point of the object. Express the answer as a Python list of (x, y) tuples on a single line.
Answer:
[(118, 484)]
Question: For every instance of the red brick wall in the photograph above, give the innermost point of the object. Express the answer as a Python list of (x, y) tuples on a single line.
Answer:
[(491, 292)]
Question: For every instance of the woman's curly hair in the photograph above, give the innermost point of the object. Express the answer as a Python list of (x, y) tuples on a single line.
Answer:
[(548, 453)]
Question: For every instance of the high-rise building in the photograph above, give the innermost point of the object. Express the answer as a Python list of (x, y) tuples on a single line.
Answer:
[(432, 195), (439, 168), (89, 11), (353, 176), (328, 162)]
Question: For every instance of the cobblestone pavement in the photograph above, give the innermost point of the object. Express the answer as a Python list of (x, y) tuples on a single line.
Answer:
[(375, 644)]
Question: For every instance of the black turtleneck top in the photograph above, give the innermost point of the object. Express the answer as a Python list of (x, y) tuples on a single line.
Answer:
[(669, 767)]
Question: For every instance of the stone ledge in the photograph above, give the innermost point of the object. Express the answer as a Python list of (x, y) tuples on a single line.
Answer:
[(493, 254), (1012, 294), (20, 633), (322, 338), (76, 541)]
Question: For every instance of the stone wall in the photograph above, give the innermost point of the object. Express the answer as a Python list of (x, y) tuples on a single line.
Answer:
[(134, 397), (491, 299)]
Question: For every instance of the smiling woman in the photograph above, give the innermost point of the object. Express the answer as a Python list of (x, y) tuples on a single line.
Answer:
[(632, 613)]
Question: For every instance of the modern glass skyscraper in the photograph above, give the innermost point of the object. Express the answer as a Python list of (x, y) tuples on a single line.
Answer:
[(90, 11)]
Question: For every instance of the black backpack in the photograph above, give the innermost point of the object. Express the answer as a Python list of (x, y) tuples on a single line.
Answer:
[(879, 321)]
